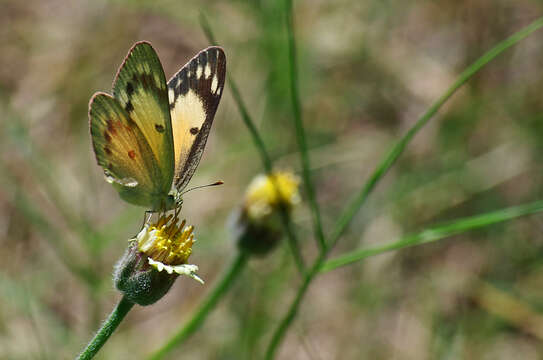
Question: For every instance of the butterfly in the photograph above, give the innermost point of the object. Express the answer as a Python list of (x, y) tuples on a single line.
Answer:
[(149, 135)]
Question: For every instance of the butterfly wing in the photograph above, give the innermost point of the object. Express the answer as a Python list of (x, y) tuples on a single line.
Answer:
[(131, 131), (194, 95), (140, 87), (122, 150)]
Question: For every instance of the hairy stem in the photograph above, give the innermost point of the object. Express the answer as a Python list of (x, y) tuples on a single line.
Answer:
[(108, 327)]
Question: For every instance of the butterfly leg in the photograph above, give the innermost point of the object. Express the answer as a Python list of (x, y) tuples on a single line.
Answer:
[(146, 217)]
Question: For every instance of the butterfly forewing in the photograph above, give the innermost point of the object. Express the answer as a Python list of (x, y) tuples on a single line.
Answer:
[(140, 87), (194, 94), (122, 150)]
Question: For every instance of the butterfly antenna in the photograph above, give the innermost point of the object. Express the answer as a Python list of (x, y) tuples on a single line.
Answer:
[(220, 182)]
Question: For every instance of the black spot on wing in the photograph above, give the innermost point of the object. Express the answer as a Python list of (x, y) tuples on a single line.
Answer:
[(129, 88), (129, 107), (194, 130), (183, 82), (202, 61), (180, 85), (192, 74), (212, 58), (146, 81), (159, 128)]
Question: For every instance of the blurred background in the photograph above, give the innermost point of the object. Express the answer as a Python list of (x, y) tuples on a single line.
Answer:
[(368, 70)]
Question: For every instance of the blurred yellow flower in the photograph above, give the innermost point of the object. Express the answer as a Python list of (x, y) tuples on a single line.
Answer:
[(266, 193), (258, 225)]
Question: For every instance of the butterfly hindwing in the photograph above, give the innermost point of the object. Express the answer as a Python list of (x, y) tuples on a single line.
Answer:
[(122, 150), (194, 94), (140, 87)]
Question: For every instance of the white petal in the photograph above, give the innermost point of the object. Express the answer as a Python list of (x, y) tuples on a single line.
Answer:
[(185, 269)]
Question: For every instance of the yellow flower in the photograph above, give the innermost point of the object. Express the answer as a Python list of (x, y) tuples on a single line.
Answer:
[(266, 193), (168, 245), (258, 226)]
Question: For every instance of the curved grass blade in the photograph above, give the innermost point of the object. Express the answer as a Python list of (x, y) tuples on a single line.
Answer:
[(436, 233), (389, 160), (347, 215)]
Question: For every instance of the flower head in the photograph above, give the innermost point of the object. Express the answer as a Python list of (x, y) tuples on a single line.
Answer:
[(154, 260), (168, 245), (266, 193), (258, 223)]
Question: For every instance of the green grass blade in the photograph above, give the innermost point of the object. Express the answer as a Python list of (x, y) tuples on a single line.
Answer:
[(351, 210), (346, 217), (299, 125), (257, 139), (204, 309), (259, 143), (436, 233)]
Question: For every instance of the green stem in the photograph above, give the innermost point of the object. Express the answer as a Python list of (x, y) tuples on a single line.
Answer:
[(205, 307), (436, 233), (429, 235), (300, 132), (347, 215), (109, 326), (281, 330), (264, 156), (268, 166)]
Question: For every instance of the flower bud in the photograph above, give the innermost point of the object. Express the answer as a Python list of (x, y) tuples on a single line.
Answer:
[(258, 223), (154, 260), (138, 280)]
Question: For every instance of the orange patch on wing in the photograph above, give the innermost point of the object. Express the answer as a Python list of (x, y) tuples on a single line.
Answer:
[(110, 127)]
